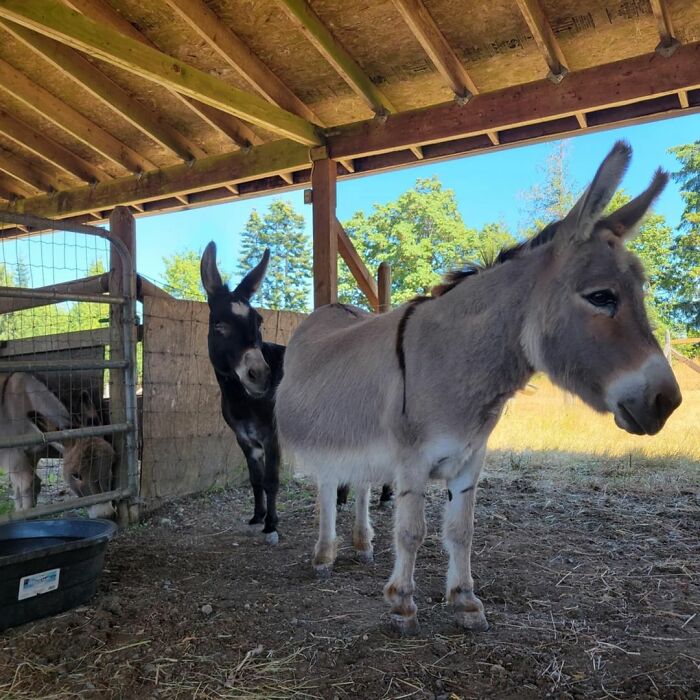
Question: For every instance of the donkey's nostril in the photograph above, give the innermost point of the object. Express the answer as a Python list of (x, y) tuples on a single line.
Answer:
[(664, 406), (252, 375)]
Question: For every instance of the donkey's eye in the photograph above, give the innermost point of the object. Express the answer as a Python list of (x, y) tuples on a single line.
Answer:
[(223, 329), (603, 298)]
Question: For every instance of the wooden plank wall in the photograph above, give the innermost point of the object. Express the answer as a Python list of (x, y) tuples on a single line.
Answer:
[(187, 447)]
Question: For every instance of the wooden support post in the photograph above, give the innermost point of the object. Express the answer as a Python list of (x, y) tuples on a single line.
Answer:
[(323, 180), (384, 287), (122, 227)]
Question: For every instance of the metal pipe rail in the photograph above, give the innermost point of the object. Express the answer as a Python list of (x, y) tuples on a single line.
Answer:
[(60, 365), (39, 438), (20, 293)]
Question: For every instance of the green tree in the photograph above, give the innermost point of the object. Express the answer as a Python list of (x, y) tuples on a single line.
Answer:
[(288, 278), (685, 254), (493, 238), (421, 235), (182, 277)]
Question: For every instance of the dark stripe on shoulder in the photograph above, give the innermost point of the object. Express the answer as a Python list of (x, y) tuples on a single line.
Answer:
[(400, 333)]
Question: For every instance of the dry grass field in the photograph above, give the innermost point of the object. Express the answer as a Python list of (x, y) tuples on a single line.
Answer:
[(548, 431)]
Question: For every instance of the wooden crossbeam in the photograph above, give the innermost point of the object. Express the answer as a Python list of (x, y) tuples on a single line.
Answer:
[(226, 124), (73, 65), (343, 63), (599, 87), (685, 341), (686, 361), (214, 171), (96, 284), (542, 33), (362, 276), (51, 18), (40, 100), (37, 179), (48, 149), (662, 14)]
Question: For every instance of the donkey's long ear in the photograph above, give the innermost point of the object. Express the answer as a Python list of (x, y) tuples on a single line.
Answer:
[(252, 281), (580, 221), (625, 220), (211, 279)]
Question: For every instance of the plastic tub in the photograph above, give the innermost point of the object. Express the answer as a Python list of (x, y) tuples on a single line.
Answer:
[(48, 566)]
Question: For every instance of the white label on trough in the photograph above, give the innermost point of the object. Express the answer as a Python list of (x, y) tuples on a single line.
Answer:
[(36, 584)]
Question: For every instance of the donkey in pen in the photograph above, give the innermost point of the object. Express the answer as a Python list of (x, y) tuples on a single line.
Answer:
[(248, 371), (413, 394)]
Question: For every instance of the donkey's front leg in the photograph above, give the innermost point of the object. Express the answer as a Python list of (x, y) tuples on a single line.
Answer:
[(255, 457), (362, 532), (458, 529), (409, 533), (271, 483), (325, 550)]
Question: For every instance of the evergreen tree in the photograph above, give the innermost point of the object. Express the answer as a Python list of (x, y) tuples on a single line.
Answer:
[(686, 249), (288, 280)]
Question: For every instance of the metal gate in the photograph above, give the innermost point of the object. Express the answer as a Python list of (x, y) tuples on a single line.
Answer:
[(58, 334)]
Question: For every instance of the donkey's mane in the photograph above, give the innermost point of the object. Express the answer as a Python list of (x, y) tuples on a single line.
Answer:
[(453, 278)]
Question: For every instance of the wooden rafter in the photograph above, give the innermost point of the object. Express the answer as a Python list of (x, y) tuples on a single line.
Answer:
[(73, 65), (11, 189), (231, 49), (226, 124), (434, 43), (343, 63), (357, 267), (53, 19), (38, 179), (19, 86), (48, 149), (543, 35), (668, 42)]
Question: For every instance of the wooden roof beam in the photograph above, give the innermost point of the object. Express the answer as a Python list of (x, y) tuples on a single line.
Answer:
[(19, 86), (343, 63), (11, 189), (49, 150), (53, 19), (443, 57), (73, 65), (365, 281), (542, 33), (231, 127), (27, 174), (668, 42)]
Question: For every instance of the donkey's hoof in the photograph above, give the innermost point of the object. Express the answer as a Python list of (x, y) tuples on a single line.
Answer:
[(474, 621), (405, 625), (365, 556), (272, 538), (323, 571)]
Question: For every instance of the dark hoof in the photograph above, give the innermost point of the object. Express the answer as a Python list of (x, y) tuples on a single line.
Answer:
[(406, 626), (272, 538), (472, 621), (257, 520)]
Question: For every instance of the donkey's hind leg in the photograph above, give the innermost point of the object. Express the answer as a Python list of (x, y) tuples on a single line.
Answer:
[(409, 533), (325, 550), (458, 529), (362, 533)]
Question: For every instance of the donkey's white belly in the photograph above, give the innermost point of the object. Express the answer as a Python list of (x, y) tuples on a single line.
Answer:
[(442, 457)]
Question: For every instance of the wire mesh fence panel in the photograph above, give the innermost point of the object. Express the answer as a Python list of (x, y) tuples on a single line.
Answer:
[(55, 342)]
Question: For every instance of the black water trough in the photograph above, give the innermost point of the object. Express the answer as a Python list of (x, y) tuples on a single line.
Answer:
[(48, 566)]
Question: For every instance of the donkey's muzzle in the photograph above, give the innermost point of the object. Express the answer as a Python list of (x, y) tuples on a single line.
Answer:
[(646, 413)]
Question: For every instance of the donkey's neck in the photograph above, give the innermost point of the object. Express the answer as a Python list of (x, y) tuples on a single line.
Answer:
[(476, 328)]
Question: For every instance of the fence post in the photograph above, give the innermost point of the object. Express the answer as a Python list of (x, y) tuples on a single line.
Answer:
[(123, 228), (384, 287), (667, 345)]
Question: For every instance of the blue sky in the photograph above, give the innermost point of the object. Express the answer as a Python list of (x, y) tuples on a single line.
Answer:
[(487, 188)]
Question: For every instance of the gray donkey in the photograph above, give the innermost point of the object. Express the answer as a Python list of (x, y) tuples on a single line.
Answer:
[(413, 394)]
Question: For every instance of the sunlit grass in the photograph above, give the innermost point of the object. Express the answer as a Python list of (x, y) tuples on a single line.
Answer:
[(549, 430)]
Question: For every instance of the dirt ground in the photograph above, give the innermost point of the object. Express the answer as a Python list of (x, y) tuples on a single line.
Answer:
[(589, 594)]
